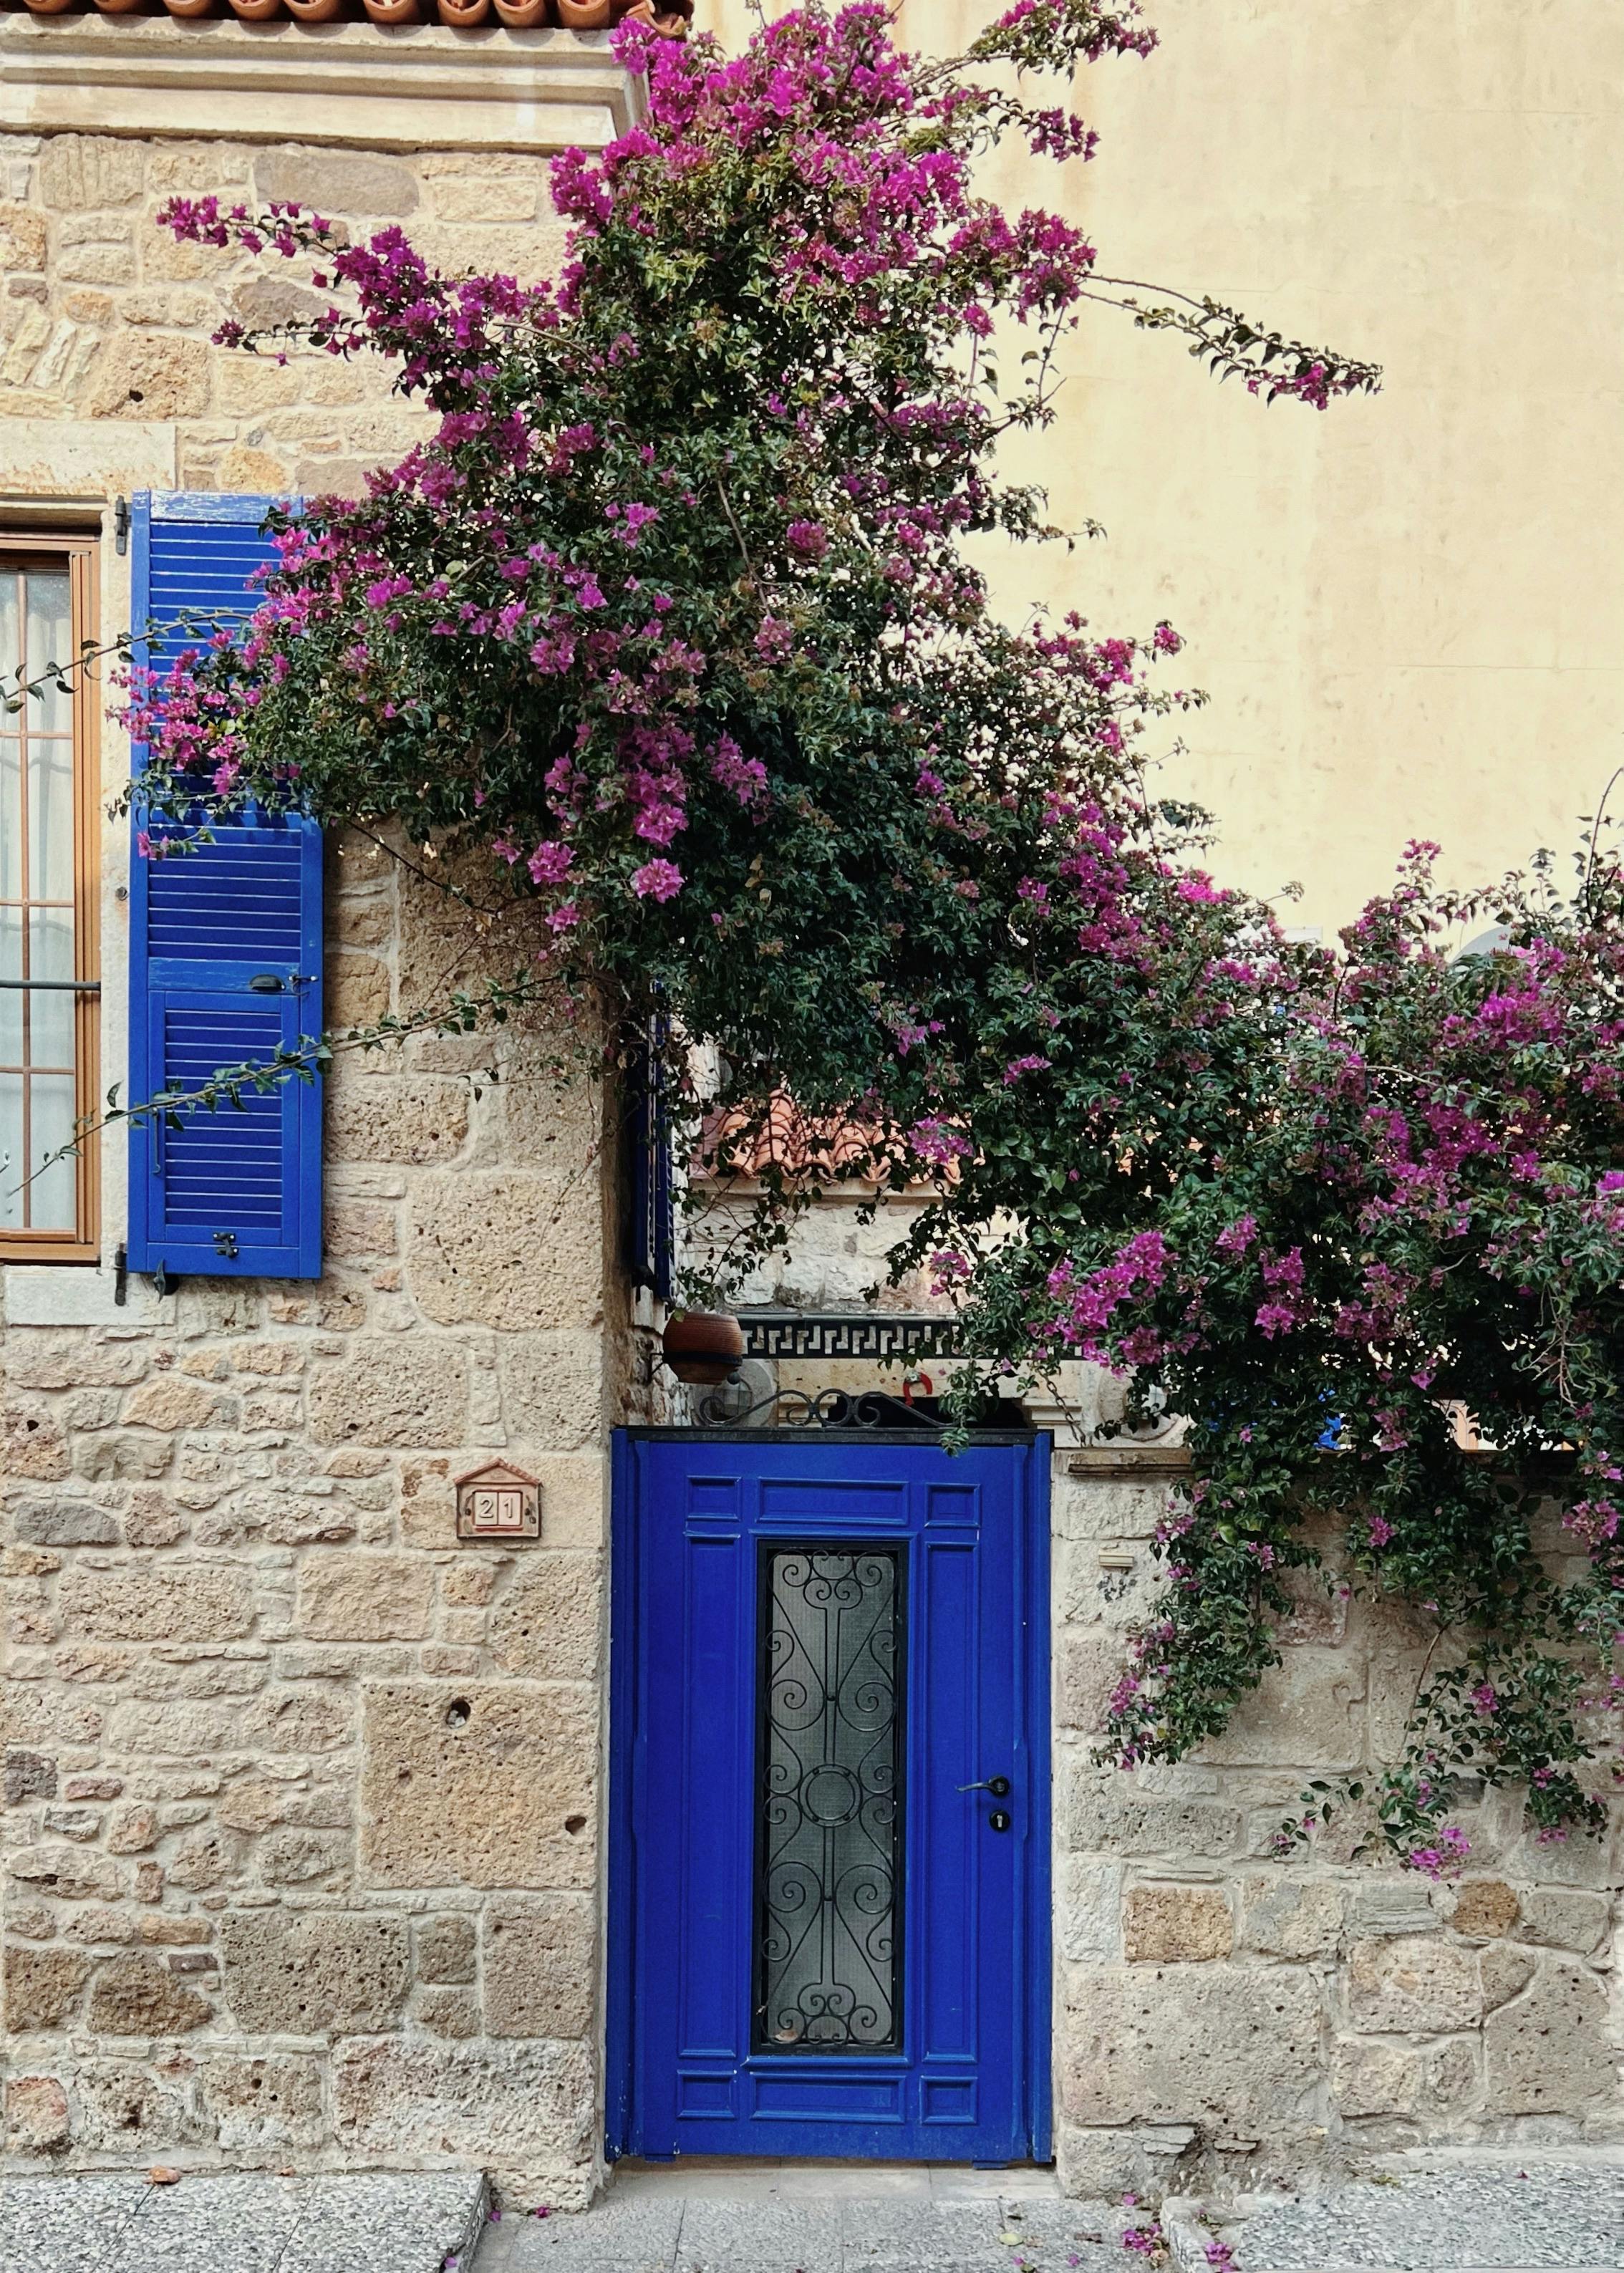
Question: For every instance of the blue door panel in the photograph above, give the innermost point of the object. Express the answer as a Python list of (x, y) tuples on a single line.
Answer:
[(963, 2075)]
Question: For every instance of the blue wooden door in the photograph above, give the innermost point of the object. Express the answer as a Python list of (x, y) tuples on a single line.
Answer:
[(829, 1851)]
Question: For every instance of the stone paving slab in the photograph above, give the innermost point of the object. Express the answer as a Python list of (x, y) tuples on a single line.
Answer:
[(806, 2218), (219, 2221), (1479, 2220)]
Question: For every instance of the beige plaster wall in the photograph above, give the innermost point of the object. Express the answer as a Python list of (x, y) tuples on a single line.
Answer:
[(1409, 612), (302, 1798), (1222, 2017)]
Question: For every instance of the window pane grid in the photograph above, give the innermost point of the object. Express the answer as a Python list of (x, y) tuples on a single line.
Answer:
[(46, 910)]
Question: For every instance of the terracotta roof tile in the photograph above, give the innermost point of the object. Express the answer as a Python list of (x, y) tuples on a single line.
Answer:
[(671, 17), (797, 1144)]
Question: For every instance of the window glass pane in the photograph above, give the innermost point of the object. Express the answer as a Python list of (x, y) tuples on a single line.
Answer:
[(48, 635), (11, 1151), (53, 1196), (10, 816), (828, 1917), (50, 819), (51, 1015), (10, 1002)]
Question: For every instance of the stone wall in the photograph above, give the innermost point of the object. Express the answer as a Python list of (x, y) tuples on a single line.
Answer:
[(302, 1798), (106, 318), (1221, 2016)]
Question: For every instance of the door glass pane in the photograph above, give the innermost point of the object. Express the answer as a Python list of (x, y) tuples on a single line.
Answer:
[(49, 639), (829, 1876), (53, 1195)]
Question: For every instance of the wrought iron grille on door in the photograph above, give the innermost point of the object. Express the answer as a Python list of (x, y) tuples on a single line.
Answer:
[(830, 1841)]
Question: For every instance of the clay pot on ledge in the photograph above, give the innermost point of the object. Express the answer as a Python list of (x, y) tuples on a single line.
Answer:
[(702, 1346)]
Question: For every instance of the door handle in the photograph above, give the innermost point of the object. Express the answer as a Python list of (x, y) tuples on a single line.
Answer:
[(998, 1786)]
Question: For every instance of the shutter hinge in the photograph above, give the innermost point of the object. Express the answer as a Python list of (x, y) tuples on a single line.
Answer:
[(121, 526), (121, 1276)]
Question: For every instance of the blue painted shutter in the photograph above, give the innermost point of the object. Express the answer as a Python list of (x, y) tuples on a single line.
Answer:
[(653, 1229), (225, 965)]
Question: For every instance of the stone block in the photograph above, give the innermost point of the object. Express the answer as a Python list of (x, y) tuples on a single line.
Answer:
[(1416, 1983), (1306, 1713), (1292, 1917), (64, 1523), (445, 1949), (1087, 1914), (537, 1966), (1374, 2079), (548, 1621), (34, 1443), (314, 1973), (71, 1874), (1169, 1925), (169, 1401), (23, 234), (147, 1602), (451, 2012), (128, 2108), (42, 1988), (1483, 1909), (294, 1858), (81, 1823), (263, 2104), (205, 1858), (486, 1785), (414, 1120), (149, 375), (29, 1776), (79, 172), (1231, 2049), (1548, 2052), (411, 1390), (37, 2116), (302, 1719), (137, 1997), (121, 1452), (512, 2103), (1565, 1917), (1101, 1812), (502, 1248), (366, 1597), (552, 1389), (354, 1230), (359, 990), (1090, 1666), (335, 181)]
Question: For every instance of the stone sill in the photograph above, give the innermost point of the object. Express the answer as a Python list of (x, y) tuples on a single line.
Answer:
[(1129, 1460), (422, 86)]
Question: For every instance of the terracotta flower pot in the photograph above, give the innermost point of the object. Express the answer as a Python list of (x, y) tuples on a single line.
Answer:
[(48, 7), (702, 1346), (524, 15), (393, 11), (310, 11), (585, 15), (189, 9), (463, 15), (252, 12), (122, 7)]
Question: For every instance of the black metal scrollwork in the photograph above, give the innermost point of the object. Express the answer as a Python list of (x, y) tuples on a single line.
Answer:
[(829, 1879)]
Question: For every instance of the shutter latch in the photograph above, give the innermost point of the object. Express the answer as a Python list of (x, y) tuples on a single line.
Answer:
[(225, 1244)]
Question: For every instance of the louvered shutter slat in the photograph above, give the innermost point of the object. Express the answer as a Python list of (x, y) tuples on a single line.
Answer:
[(236, 1190)]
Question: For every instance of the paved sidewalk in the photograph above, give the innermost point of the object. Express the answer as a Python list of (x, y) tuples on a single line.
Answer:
[(698, 2216), (214, 2221), (1480, 2218)]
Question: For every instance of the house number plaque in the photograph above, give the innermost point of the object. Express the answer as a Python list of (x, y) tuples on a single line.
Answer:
[(499, 1502)]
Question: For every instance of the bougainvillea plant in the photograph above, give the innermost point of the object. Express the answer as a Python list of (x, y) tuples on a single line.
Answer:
[(669, 637)]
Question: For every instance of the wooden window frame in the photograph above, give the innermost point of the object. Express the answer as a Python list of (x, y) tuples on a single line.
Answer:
[(82, 555)]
